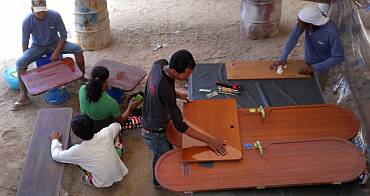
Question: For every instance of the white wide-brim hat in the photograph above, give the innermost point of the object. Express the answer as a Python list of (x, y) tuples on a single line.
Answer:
[(312, 15)]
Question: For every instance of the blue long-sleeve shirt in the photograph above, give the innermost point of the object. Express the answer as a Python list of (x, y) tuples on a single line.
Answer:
[(44, 32), (322, 46)]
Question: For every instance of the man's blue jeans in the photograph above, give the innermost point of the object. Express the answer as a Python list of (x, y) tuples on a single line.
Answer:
[(35, 52), (158, 144)]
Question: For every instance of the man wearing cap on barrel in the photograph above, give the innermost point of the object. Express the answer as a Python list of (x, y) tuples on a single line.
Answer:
[(322, 46), (49, 36)]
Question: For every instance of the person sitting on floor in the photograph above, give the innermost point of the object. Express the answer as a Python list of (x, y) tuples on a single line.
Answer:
[(96, 153), (98, 105), (49, 36)]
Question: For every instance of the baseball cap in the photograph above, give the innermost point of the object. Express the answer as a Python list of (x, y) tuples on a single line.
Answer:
[(312, 15), (39, 6)]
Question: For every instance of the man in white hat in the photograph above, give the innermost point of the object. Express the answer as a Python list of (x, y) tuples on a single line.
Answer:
[(322, 46), (49, 36)]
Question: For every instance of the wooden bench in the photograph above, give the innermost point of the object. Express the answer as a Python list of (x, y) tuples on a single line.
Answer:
[(41, 175)]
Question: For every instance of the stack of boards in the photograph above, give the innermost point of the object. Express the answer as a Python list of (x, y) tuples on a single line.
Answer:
[(300, 145)]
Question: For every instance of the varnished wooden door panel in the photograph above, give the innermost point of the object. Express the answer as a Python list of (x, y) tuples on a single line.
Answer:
[(122, 76), (251, 70), (290, 122), (285, 163), (298, 122), (42, 175), (218, 118), (52, 75)]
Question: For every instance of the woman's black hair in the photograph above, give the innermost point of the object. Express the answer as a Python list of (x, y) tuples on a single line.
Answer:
[(94, 88), (82, 127), (181, 60)]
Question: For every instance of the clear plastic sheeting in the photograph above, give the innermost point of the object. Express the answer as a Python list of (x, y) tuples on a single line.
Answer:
[(342, 90), (352, 18), (360, 141)]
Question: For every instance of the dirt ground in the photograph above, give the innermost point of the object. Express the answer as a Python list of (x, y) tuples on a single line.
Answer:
[(207, 28)]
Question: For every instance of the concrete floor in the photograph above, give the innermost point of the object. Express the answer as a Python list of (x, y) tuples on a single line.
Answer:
[(208, 28)]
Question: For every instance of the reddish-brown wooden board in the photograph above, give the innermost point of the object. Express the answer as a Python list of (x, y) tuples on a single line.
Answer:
[(123, 76), (290, 122), (298, 122), (41, 174), (218, 118), (322, 161), (51, 75), (252, 70)]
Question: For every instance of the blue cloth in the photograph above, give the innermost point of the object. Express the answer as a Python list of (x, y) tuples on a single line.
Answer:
[(322, 46), (35, 52), (44, 32), (158, 144)]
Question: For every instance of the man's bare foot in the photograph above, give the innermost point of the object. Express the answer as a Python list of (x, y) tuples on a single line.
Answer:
[(24, 100)]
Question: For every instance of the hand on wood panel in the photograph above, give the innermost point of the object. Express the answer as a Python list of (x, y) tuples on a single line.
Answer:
[(54, 56), (307, 69), (182, 96), (55, 135), (276, 64), (217, 145)]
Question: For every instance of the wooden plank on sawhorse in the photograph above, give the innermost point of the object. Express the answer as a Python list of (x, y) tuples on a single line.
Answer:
[(253, 70), (51, 75), (284, 163), (41, 174), (122, 76)]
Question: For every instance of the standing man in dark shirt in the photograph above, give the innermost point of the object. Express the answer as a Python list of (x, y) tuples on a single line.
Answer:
[(160, 106)]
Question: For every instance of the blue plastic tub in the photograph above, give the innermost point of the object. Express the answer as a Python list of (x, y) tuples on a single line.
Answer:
[(117, 94), (11, 78)]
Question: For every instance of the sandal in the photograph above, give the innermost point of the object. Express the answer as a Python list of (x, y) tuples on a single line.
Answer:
[(19, 104), (86, 180)]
